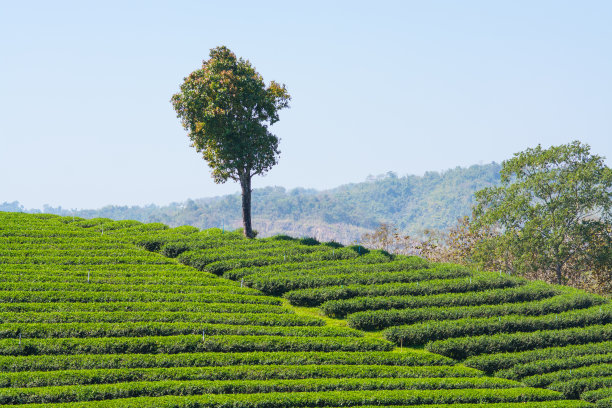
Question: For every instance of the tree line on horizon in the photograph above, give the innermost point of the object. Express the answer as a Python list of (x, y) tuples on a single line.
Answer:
[(414, 204)]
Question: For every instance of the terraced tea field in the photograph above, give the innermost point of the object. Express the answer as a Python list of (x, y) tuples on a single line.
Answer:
[(543, 335), (96, 313)]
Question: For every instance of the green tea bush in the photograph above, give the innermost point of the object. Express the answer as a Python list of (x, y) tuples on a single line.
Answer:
[(186, 343), (501, 361), (8, 310), (461, 348), (334, 398), (381, 319), (267, 372), (575, 387), (254, 360), (281, 284), (421, 333), (198, 387), (540, 368), (441, 283), (74, 296), (144, 329), (544, 380), (239, 318)]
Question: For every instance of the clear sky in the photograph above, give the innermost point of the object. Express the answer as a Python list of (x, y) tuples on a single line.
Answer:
[(406, 86)]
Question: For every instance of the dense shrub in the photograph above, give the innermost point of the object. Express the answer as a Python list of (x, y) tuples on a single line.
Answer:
[(341, 398), (186, 343), (252, 360), (598, 370), (243, 386), (308, 241), (461, 348), (423, 332), (173, 249), (407, 284), (380, 319), (450, 306), (264, 372), (539, 368), (495, 362)]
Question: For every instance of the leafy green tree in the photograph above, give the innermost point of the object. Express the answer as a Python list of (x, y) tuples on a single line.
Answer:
[(552, 210), (226, 109)]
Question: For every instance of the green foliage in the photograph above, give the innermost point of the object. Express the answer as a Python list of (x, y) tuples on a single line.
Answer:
[(537, 369), (226, 109), (554, 209), (148, 328), (104, 287), (603, 396), (495, 362), (90, 319), (282, 237), (333, 244), (360, 249), (434, 292), (309, 241), (463, 347), (64, 309), (252, 360), (279, 285), (421, 333), (427, 281), (597, 370), (527, 298), (248, 316), (604, 403), (187, 343), (225, 266), (244, 386), (573, 388), (278, 372), (12, 296), (301, 267), (173, 249), (200, 258), (347, 398)]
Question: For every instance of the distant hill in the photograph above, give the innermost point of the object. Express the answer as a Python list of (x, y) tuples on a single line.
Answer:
[(413, 203)]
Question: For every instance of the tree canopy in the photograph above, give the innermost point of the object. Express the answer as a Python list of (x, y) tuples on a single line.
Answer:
[(226, 109), (553, 211)]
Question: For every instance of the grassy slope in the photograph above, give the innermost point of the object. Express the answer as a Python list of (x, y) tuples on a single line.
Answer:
[(45, 262), (304, 283), (550, 336)]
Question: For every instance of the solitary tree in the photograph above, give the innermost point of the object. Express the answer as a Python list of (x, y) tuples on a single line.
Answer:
[(553, 212), (226, 109)]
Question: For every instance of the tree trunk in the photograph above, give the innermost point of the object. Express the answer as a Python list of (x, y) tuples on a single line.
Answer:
[(559, 276), (245, 184)]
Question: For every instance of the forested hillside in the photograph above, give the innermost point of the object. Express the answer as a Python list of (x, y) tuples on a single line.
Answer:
[(413, 203)]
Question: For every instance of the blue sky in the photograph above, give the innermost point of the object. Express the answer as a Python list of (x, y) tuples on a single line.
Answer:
[(406, 86)]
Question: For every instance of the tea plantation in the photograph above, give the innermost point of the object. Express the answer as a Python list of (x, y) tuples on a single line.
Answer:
[(101, 313), (543, 335)]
